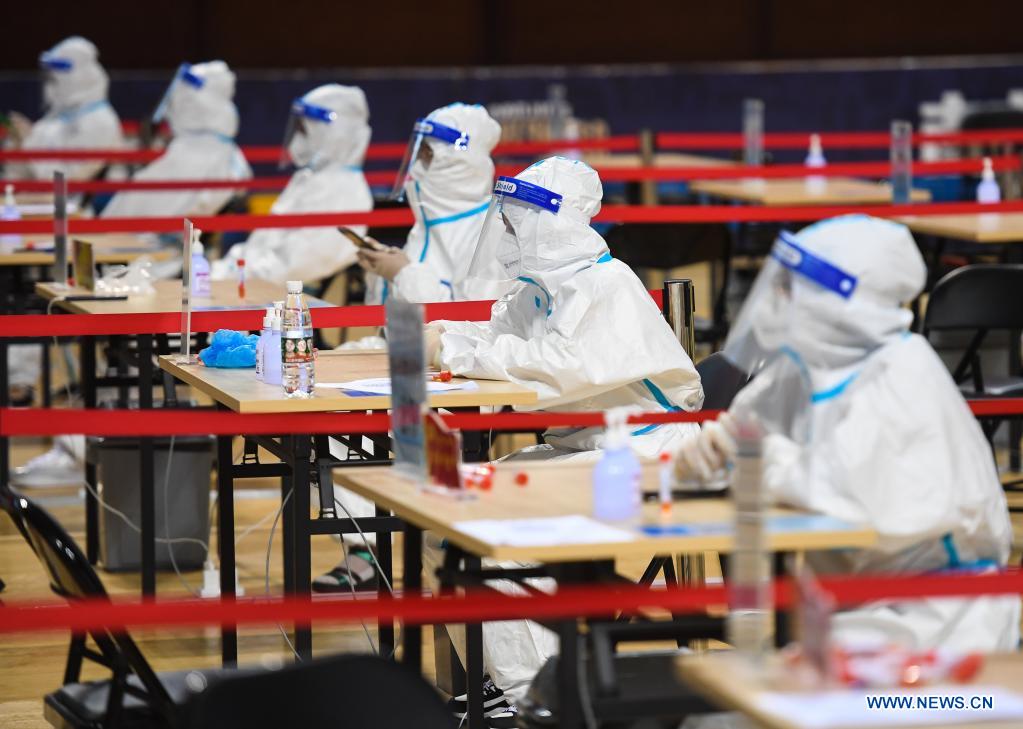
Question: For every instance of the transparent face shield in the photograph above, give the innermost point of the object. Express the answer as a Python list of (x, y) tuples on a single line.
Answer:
[(295, 146), (184, 75), (511, 219), (759, 341), (418, 150)]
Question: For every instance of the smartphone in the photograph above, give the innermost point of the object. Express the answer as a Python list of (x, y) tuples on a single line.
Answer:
[(365, 243)]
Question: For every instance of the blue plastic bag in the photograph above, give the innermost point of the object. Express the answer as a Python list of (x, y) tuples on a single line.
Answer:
[(229, 348)]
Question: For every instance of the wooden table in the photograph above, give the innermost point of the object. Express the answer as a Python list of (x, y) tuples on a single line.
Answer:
[(167, 298), (564, 489), (239, 390), (975, 228), (559, 490), (783, 191), (109, 248), (725, 679), (258, 294)]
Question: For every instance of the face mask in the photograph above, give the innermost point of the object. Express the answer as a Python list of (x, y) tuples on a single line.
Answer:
[(299, 150)]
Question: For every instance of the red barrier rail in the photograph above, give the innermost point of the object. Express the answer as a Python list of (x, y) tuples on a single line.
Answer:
[(607, 174), (622, 143), (566, 603), (608, 214), (160, 422)]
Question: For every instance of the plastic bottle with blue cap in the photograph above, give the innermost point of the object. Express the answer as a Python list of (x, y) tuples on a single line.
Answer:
[(10, 211), (988, 190), (815, 159)]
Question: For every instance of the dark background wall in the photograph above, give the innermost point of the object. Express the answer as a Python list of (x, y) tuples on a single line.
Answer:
[(332, 33)]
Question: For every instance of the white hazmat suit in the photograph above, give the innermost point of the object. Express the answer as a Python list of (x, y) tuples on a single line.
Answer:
[(328, 137), (203, 120), (448, 192), (580, 329), (78, 115), (886, 440)]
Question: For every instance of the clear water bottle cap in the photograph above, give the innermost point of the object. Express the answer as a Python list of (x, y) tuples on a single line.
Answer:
[(294, 287)]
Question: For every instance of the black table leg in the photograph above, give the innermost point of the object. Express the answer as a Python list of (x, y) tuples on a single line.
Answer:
[(87, 362), (225, 543), (385, 560), (301, 450), (412, 557), (474, 660), (146, 467), (5, 443), (287, 527)]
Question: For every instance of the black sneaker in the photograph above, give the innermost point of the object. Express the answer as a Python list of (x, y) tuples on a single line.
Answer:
[(498, 713)]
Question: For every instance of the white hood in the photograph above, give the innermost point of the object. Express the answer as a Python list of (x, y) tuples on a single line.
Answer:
[(74, 77)]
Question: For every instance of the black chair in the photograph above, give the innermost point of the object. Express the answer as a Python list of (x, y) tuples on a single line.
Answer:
[(664, 246), (983, 298), (354, 692), (135, 696), (721, 381)]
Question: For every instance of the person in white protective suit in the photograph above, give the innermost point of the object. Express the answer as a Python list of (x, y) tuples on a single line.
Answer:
[(446, 176), (863, 422), (78, 116), (578, 328), (327, 136), (198, 105)]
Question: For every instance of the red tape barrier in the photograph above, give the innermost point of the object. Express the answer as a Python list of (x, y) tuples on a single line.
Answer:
[(160, 422), (607, 174), (42, 421), (607, 214), (622, 143), (567, 603)]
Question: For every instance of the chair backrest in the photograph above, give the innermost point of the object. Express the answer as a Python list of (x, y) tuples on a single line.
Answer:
[(668, 245), (981, 296), (72, 577), (721, 381), (1004, 118), (354, 692)]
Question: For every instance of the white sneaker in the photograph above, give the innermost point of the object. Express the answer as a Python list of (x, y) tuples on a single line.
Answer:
[(56, 467)]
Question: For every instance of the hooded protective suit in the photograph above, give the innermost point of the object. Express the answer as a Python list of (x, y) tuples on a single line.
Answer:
[(78, 115), (449, 196), (203, 121), (577, 326), (885, 438), (331, 134)]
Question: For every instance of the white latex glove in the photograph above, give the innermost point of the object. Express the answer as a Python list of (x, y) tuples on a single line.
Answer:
[(707, 453), (432, 344)]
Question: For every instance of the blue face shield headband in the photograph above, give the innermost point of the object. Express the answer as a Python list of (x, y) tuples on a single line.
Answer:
[(183, 75), (421, 129), (50, 62), (794, 257), (300, 107), (527, 192)]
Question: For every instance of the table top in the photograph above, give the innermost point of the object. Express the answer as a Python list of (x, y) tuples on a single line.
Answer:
[(975, 227), (662, 159), (557, 489), (239, 390), (802, 191), (258, 295), (724, 678), (109, 248)]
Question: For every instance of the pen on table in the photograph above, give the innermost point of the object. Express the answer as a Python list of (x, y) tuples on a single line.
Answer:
[(94, 298)]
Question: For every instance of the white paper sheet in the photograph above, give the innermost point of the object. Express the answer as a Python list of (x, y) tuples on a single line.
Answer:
[(544, 531), (382, 386), (842, 709)]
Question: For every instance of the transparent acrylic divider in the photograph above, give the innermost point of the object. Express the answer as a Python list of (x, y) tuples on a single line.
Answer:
[(901, 157), (753, 132), (407, 363), (191, 233), (59, 229)]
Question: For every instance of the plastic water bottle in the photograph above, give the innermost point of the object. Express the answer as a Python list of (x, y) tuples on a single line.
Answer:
[(264, 337), (988, 190), (616, 476), (272, 362), (200, 272), (815, 159), (299, 377), (750, 593), (10, 211)]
